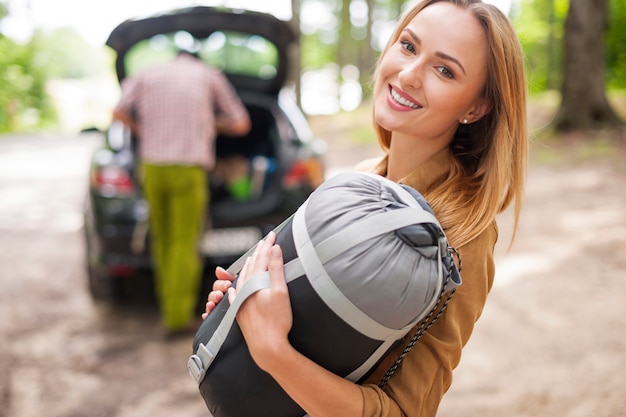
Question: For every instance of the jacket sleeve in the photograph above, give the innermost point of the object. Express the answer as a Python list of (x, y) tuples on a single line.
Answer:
[(424, 376)]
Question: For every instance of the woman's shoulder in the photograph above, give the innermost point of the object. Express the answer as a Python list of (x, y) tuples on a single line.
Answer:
[(477, 259), (485, 241)]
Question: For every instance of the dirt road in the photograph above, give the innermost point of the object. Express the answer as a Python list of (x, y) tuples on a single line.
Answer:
[(550, 343)]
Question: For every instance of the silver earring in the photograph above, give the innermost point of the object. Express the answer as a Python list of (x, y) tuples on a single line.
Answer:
[(465, 121)]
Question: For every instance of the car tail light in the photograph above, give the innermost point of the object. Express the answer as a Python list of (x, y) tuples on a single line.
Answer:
[(120, 271), (112, 181), (305, 172)]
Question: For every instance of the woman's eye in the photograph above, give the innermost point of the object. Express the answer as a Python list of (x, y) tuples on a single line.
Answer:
[(445, 71), (408, 46)]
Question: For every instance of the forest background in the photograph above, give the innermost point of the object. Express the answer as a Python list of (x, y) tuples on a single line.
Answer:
[(36, 75)]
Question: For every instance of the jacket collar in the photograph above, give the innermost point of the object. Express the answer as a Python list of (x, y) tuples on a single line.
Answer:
[(422, 177)]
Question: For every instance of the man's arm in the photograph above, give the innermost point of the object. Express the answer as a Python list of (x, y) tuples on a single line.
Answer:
[(126, 119), (229, 127), (231, 116)]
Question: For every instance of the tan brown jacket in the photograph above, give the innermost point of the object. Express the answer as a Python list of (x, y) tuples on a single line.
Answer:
[(418, 385)]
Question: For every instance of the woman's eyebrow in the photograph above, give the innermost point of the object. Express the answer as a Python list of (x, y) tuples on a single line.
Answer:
[(441, 55)]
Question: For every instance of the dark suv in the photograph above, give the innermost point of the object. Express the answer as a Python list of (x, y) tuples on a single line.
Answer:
[(259, 179)]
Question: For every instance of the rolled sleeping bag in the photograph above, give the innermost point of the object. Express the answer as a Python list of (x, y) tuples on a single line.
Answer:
[(365, 261)]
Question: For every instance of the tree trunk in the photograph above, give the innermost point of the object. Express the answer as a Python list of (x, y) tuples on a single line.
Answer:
[(551, 49), (584, 104), (295, 65), (367, 59), (345, 43)]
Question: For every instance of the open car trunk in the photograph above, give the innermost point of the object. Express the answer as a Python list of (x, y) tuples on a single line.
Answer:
[(259, 180), (244, 183)]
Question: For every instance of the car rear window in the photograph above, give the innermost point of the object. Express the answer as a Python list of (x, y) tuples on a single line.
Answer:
[(234, 53)]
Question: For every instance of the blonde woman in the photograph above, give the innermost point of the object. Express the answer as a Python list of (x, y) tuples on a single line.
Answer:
[(450, 115)]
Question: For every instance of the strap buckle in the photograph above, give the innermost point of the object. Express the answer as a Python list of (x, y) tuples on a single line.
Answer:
[(196, 366)]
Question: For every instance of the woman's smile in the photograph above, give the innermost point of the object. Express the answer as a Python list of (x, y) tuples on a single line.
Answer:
[(401, 101)]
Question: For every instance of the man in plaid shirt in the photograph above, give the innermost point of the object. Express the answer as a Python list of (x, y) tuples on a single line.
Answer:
[(176, 110)]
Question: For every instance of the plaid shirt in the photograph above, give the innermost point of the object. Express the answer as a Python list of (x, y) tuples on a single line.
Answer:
[(175, 105)]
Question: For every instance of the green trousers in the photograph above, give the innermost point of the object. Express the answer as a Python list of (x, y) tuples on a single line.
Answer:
[(177, 197)]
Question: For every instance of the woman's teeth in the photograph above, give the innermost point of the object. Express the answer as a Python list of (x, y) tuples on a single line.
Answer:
[(401, 100), (397, 97)]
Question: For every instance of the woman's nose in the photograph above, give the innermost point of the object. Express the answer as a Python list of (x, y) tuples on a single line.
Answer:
[(411, 75)]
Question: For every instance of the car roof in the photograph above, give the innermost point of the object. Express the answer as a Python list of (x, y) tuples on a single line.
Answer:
[(202, 21)]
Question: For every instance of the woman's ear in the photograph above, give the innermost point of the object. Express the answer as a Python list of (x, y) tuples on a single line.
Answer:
[(482, 107)]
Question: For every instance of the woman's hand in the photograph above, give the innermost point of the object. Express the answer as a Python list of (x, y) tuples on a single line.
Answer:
[(265, 318), (220, 286)]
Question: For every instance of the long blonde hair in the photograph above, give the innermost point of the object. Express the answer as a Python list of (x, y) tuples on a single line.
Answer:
[(490, 156)]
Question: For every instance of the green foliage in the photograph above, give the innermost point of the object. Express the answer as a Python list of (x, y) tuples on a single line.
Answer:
[(316, 54), (66, 55), (26, 69), (24, 103), (233, 52), (616, 46), (540, 23)]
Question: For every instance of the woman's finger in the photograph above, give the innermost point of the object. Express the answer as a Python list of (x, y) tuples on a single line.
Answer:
[(260, 258), (231, 295), (223, 274), (216, 296), (221, 285), (255, 264), (247, 265), (209, 306), (276, 267)]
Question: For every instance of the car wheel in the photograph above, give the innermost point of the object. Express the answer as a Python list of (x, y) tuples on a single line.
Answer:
[(100, 287)]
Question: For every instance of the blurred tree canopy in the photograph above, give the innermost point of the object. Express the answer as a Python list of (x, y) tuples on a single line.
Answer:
[(26, 68), (540, 25), (23, 98), (615, 42), (341, 32), (66, 55), (346, 36), (555, 51), (350, 32)]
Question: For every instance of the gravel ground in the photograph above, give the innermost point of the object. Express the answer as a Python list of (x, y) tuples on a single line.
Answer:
[(550, 343)]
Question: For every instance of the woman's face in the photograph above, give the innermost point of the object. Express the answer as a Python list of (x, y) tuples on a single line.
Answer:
[(433, 76)]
